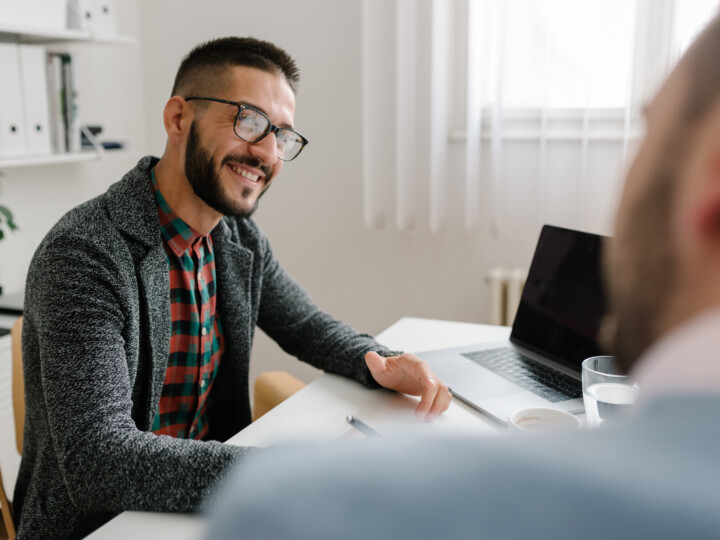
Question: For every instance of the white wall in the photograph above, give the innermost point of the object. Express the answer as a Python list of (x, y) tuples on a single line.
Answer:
[(313, 213)]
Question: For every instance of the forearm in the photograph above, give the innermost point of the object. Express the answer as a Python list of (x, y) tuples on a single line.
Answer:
[(142, 471), (107, 462), (329, 344)]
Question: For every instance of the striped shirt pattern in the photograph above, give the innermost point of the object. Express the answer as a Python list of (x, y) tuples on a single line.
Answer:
[(196, 342)]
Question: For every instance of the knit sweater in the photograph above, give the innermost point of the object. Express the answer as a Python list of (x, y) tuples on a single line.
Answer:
[(95, 348)]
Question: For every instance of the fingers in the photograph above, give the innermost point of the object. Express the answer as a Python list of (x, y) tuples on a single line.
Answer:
[(410, 375), (434, 400)]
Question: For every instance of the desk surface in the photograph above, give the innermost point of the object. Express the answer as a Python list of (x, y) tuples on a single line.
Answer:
[(318, 411)]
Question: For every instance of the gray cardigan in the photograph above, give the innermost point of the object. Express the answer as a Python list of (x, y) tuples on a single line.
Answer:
[(95, 349)]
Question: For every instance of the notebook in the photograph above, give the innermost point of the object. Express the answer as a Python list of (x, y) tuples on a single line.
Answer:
[(555, 329)]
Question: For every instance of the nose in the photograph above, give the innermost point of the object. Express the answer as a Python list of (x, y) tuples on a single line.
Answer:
[(265, 150)]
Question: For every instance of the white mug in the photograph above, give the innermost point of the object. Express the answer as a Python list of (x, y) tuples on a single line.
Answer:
[(542, 420)]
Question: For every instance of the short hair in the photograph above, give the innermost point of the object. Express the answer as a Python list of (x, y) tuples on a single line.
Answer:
[(204, 68)]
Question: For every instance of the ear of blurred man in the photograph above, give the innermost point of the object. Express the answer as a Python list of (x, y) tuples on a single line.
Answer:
[(697, 219)]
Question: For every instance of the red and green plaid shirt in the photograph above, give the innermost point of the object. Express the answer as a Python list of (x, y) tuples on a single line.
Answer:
[(196, 342)]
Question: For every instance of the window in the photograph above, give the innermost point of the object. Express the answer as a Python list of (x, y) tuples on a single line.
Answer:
[(507, 114), (564, 54)]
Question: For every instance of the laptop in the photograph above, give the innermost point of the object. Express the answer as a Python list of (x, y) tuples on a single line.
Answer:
[(555, 329)]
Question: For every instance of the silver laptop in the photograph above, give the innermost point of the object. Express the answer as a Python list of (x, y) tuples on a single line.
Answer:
[(555, 329)]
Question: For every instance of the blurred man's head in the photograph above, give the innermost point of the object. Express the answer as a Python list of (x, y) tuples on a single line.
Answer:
[(664, 265)]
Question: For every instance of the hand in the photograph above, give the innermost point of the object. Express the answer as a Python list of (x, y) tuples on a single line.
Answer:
[(410, 375)]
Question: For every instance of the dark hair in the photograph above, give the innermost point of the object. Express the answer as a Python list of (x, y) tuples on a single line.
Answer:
[(204, 68)]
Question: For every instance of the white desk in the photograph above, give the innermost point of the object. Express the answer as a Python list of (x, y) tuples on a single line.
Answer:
[(318, 411)]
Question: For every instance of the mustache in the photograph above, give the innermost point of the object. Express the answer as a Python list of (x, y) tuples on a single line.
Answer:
[(250, 162)]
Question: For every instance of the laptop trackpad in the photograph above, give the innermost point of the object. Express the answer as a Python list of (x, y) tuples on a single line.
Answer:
[(475, 382)]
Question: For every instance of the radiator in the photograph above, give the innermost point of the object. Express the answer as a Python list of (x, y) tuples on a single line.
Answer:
[(506, 286)]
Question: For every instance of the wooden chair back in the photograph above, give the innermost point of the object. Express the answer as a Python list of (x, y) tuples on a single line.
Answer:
[(18, 383)]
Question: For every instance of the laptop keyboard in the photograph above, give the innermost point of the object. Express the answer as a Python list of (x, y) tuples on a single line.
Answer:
[(528, 374)]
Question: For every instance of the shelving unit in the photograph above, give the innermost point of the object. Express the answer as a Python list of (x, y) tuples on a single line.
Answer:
[(43, 36), (40, 36), (49, 159)]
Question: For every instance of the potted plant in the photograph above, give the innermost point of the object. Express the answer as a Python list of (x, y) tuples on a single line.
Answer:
[(7, 222)]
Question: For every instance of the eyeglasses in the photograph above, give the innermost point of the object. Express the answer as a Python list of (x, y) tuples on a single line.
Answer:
[(252, 125)]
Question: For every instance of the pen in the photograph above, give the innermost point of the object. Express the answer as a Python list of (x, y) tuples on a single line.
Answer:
[(361, 426)]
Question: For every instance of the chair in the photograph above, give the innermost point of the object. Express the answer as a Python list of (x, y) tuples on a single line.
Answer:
[(7, 525), (271, 389), (18, 383)]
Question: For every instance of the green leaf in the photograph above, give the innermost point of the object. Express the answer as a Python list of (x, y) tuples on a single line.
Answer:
[(9, 221), (8, 218)]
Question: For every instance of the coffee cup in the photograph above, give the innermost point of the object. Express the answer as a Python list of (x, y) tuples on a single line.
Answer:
[(542, 420)]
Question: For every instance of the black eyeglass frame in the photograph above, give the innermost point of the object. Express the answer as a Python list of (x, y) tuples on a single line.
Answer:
[(271, 128)]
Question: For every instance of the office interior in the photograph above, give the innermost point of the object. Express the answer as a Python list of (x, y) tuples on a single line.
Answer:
[(366, 270)]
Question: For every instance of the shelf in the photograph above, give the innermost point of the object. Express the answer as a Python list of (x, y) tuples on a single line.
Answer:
[(43, 35), (49, 159)]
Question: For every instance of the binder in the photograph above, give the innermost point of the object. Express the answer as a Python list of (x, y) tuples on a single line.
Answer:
[(57, 101), (81, 14), (36, 112), (104, 23), (71, 109), (12, 133)]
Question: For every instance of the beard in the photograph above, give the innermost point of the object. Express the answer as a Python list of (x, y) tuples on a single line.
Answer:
[(206, 182), (641, 270)]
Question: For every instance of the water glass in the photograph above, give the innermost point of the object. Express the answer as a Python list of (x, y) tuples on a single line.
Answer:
[(608, 395)]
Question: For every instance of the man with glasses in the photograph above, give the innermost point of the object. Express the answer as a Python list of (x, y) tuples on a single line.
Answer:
[(141, 306)]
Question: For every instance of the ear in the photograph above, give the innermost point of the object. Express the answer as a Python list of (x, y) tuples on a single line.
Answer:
[(177, 116), (706, 217)]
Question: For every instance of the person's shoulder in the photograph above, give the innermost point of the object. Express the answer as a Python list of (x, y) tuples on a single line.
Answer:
[(507, 487), (94, 223), (84, 221)]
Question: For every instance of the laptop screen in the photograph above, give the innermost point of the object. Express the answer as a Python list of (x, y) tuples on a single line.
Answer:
[(563, 303)]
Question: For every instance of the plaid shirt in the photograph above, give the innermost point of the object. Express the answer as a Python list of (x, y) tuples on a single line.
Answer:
[(196, 343)]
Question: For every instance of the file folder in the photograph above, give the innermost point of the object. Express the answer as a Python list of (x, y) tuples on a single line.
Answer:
[(70, 93), (36, 110), (104, 24), (81, 14), (12, 133), (57, 103)]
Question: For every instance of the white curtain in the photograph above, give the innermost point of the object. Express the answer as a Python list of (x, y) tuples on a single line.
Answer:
[(463, 133)]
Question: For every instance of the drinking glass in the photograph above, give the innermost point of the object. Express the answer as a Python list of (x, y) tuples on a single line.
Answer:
[(608, 395)]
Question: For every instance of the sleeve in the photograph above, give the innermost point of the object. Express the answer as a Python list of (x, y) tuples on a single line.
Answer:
[(79, 391), (290, 317)]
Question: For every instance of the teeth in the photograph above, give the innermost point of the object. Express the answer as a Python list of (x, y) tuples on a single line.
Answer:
[(245, 174)]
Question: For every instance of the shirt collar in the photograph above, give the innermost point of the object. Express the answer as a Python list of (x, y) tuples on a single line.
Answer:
[(175, 232), (683, 361)]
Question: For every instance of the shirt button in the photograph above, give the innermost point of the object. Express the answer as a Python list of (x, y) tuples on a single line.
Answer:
[(202, 383), (204, 331)]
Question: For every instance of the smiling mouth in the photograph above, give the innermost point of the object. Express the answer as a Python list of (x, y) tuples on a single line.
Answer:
[(244, 172)]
